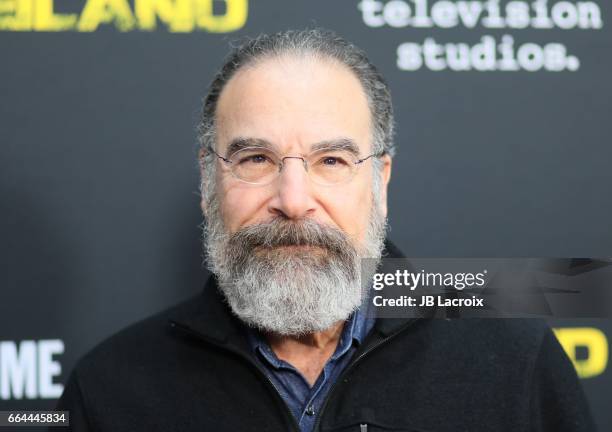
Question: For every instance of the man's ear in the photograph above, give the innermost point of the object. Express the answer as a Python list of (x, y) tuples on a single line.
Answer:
[(201, 155), (384, 184)]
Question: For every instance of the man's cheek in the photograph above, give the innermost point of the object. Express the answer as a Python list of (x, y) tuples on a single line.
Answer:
[(240, 207), (356, 224), (230, 213)]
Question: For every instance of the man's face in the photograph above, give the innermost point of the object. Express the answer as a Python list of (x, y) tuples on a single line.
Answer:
[(287, 254), (294, 104)]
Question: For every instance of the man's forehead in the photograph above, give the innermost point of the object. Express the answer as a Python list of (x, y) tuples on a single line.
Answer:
[(294, 102)]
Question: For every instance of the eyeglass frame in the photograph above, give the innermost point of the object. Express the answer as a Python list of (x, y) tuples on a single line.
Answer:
[(280, 165)]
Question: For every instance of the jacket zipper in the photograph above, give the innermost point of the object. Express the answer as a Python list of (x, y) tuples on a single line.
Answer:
[(294, 425), (362, 427)]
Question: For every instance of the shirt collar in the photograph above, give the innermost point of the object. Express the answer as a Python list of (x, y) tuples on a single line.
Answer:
[(355, 330)]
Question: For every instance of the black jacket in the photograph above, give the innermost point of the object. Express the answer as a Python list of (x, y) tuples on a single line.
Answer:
[(189, 369)]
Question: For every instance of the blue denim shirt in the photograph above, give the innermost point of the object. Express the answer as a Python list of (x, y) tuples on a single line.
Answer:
[(305, 401)]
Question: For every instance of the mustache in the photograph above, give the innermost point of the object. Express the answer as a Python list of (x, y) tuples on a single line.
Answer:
[(284, 232)]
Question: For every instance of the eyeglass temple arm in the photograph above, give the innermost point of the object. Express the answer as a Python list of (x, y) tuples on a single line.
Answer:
[(224, 159), (379, 154)]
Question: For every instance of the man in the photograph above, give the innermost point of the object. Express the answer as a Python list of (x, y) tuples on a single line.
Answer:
[(296, 145)]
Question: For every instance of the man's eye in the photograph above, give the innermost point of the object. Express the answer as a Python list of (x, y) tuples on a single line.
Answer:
[(255, 159), (258, 159), (332, 161)]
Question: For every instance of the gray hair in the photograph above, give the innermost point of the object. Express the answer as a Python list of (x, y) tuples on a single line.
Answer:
[(311, 42)]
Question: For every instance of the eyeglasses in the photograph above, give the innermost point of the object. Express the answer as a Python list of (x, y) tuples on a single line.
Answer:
[(261, 166)]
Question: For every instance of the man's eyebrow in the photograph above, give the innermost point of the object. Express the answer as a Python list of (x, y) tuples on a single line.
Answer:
[(241, 143), (337, 144)]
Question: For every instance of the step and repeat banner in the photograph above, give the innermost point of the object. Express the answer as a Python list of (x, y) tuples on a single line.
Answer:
[(503, 130)]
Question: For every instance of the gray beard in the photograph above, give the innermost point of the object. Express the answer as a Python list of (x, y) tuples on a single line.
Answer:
[(290, 277)]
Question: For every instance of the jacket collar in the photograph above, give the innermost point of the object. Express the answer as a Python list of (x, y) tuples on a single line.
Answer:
[(210, 317)]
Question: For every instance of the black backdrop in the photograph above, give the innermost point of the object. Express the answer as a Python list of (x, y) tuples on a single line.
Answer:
[(97, 164)]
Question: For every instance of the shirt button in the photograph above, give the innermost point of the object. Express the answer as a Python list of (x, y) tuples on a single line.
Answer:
[(310, 410)]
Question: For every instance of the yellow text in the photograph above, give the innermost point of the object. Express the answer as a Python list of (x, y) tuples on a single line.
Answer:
[(591, 339), (177, 16)]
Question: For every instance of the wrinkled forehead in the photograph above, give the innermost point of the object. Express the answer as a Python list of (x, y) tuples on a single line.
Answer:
[(295, 105)]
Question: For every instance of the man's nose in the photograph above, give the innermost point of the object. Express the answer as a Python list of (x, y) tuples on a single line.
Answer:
[(293, 198)]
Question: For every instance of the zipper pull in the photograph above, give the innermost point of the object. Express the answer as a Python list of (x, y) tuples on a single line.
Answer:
[(363, 428)]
